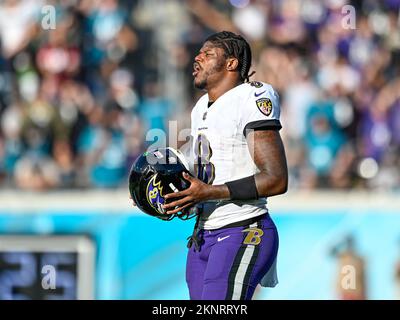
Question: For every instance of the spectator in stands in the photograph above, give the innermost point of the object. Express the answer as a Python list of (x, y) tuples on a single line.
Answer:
[(77, 102)]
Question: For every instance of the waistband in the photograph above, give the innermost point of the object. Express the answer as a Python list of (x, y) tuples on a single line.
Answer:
[(244, 223), (196, 238)]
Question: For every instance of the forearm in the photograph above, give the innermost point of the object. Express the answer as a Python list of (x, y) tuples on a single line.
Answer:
[(266, 185), (256, 186), (218, 192)]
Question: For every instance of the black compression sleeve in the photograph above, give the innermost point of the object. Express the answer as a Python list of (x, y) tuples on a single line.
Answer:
[(243, 189)]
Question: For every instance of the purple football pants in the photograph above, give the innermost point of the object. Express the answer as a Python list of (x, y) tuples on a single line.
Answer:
[(231, 261)]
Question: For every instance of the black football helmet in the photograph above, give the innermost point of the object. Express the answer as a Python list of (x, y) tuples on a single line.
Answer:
[(154, 174)]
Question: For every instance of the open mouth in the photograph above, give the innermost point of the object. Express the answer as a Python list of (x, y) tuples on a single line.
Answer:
[(196, 69)]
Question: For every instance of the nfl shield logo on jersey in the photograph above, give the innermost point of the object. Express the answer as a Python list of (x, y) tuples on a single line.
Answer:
[(264, 105)]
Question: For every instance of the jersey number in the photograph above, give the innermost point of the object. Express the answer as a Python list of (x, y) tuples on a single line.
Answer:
[(204, 168)]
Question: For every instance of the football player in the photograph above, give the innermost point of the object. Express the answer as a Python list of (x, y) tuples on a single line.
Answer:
[(239, 161)]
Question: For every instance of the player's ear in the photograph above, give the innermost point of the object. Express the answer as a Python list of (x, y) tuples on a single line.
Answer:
[(232, 64)]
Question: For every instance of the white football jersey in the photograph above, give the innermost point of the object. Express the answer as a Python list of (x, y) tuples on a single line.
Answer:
[(219, 148)]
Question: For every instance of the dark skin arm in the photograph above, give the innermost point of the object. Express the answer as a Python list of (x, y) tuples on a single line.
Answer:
[(268, 154)]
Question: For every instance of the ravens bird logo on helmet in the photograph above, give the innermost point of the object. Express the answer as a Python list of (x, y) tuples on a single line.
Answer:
[(154, 174)]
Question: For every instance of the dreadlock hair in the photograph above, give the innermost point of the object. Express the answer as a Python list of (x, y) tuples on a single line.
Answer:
[(237, 47)]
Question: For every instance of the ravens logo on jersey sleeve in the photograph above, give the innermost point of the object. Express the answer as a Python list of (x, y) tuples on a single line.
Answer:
[(256, 84)]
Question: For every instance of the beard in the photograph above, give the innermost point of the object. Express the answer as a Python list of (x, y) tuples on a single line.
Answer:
[(200, 84), (201, 81)]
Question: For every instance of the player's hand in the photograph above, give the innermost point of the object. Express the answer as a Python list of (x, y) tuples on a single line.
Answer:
[(197, 192)]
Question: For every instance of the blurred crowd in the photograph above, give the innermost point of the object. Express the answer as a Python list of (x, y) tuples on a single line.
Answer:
[(83, 82)]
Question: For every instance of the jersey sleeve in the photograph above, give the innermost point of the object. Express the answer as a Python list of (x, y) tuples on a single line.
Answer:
[(261, 110)]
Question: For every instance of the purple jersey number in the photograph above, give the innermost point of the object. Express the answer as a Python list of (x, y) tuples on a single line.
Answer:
[(204, 168)]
